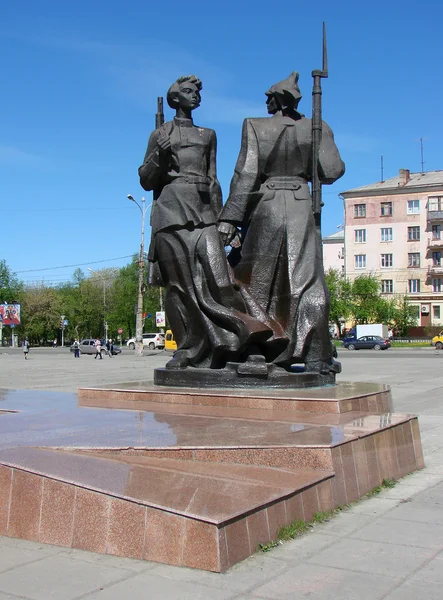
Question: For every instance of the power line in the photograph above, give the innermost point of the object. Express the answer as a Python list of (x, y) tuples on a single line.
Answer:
[(91, 262)]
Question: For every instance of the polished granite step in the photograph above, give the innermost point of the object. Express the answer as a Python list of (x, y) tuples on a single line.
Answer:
[(192, 484)]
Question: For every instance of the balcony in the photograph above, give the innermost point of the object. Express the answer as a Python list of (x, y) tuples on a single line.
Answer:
[(434, 216), (434, 245), (434, 271)]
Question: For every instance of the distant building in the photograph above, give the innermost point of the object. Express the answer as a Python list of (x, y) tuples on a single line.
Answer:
[(393, 229), (334, 251)]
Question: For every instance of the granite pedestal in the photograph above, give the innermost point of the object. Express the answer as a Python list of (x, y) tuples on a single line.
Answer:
[(191, 477)]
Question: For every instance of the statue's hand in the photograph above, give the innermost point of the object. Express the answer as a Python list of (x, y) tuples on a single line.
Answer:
[(227, 232), (164, 142)]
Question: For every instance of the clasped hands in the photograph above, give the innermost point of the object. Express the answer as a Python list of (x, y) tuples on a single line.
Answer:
[(229, 234)]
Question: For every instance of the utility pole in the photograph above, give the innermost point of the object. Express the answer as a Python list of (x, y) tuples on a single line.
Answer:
[(141, 276), (105, 323)]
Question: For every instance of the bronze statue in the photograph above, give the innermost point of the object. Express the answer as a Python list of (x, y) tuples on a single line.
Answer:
[(280, 259), (207, 312)]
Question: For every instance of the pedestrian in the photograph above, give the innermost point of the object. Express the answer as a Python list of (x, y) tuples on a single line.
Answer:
[(76, 348), (54, 343), (109, 347), (26, 348), (98, 348)]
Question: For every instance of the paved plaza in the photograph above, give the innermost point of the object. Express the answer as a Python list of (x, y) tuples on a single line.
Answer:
[(387, 547)]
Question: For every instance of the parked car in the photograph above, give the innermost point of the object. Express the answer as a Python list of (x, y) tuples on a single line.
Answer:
[(170, 343), (88, 347), (374, 342), (437, 341), (151, 340)]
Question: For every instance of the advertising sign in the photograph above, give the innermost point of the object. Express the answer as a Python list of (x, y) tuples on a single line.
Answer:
[(10, 314), (160, 319)]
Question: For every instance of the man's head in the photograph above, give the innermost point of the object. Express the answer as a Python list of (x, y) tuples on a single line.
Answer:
[(185, 93), (284, 95)]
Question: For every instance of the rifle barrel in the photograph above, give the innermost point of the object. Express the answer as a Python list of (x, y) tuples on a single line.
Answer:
[(160, 116)]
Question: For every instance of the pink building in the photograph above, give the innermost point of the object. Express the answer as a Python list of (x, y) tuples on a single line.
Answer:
[(393, 229)]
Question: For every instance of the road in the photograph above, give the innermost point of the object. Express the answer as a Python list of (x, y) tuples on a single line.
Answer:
[(416, 375)]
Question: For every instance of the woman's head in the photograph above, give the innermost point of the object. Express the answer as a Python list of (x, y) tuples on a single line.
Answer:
[(185, 93)]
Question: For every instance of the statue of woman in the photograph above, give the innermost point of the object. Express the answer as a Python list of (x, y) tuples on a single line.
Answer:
[(280, 261), (206, 311)]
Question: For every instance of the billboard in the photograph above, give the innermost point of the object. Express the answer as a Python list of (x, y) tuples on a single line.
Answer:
[(10, 314), (160, 319)]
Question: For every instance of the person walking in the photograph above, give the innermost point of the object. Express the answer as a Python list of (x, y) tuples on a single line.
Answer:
[(109, 347), (76, 348), (98, 348), (54, 343), (26, 348)]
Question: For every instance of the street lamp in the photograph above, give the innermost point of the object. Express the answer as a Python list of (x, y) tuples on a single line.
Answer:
[(141, 270)]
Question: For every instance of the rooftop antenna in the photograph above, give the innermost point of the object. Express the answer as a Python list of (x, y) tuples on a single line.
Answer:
[(421, 154), (381, 168)]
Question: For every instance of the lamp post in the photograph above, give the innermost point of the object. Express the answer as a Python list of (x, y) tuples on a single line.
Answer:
[(105, 324), (141, 270)]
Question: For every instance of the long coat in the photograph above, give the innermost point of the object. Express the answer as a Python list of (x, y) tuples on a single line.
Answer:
[(280, 261), (206, 312)]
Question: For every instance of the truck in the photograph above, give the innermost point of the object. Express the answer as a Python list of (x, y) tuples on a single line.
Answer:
[(369, 329)]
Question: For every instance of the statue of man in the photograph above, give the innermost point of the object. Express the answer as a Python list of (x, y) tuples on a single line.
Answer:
[(206, 311), (280, 260)]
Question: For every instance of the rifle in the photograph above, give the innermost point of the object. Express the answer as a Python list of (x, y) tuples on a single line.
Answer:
[(159, 120), (159, 116), (316, 134)]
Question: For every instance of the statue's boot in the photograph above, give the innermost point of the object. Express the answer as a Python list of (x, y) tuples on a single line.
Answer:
[(178, 361), (325, 368)]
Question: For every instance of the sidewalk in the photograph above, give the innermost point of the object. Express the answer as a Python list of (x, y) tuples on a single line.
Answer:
[(387, 547)]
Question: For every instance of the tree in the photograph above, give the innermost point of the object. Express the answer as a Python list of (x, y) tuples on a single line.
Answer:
[(121, 313), (40, 313), (405, 316), (340, 293), (10, 287)]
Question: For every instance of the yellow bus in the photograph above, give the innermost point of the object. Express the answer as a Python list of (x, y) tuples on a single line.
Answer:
[(170, 343)]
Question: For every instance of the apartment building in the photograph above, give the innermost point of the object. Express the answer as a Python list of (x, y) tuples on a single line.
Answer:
[(393, 229), (334, 251)]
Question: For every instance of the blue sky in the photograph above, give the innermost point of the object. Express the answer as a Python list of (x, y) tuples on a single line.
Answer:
[(79, 88)]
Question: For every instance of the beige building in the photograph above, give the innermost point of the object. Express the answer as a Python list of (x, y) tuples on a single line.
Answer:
[(393, 229)]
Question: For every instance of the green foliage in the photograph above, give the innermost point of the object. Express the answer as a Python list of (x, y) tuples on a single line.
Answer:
[(40, 313), (267, 547), (10, 287), (340, 291), (405, 316), (360, 301)]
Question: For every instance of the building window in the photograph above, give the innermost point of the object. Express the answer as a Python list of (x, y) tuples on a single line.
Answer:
[(413, 234), (386, 260), (436, 259), (359, 210), (386, 234), (360, 236), (414, 286), (360, 261), (387, 286), (437, 285), (413, 259), (436, 312), (413, 207), (386, 209), (435, 203), (436, 232)]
